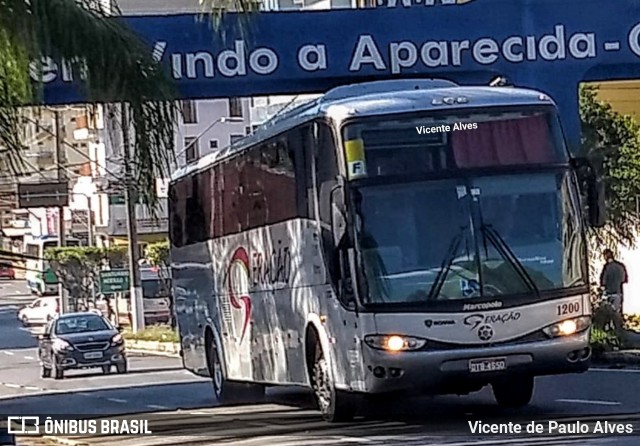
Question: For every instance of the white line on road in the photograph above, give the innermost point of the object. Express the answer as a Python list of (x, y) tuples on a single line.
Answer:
[(8, 353), (117, 400), (155, 406), (616, 370), (29, 357), (13, 386), (32, 388), (602, 403)]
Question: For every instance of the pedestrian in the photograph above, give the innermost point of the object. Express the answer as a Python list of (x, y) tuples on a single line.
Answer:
[(613, 277)]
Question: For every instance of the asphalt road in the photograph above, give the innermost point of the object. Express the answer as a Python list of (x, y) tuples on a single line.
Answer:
[(181, 410)]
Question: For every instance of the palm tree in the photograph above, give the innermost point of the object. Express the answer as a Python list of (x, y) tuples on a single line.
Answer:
[(114, 64)]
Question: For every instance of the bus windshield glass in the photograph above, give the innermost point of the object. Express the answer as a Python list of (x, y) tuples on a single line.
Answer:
[(378, 147), (465, 234), (491, 236)]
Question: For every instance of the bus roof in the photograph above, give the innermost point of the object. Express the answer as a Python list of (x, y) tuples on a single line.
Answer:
[(376, 99)]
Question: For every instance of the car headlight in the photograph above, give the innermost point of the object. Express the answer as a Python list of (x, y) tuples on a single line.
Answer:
[(117, 339), (394, 343), (61, 345), (568, 327)]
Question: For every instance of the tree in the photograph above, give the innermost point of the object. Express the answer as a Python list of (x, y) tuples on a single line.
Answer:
[(615, 139), (112, 64), (78, 268)]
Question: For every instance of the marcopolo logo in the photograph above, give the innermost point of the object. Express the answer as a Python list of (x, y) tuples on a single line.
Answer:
[(23, 425), (482, 306)]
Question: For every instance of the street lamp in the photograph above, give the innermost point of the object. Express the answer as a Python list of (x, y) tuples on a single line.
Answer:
[(224, 119)]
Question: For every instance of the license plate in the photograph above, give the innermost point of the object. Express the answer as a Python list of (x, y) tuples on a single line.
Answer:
[(487, 365), (93, 355)]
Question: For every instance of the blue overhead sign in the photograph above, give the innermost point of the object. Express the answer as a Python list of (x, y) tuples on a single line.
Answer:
[(551, 45)]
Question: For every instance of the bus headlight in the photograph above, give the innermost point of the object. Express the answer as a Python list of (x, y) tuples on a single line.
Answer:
[(394, 343), (568, 327)]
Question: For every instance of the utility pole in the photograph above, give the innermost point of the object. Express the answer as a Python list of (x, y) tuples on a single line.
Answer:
[(131, 199), (60, 160)]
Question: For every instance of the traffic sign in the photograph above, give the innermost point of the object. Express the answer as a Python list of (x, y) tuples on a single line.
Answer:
[(43, 195), (114, 281)]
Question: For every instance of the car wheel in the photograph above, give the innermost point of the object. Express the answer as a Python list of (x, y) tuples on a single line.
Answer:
[(46, 372), (106, 369), (58, 373), (121, 368)]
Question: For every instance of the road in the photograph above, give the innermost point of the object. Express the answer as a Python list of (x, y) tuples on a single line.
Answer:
[(182, 411)]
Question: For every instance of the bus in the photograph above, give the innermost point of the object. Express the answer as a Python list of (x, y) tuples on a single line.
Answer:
[(388, 238), (41, 279)]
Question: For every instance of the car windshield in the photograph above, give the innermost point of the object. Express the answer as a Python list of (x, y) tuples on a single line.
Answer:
[(460, 239), (154, 289), (80, 324)]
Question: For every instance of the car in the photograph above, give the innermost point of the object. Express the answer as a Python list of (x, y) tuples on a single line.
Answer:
[(40, 311), (82, 340), (7, 271)]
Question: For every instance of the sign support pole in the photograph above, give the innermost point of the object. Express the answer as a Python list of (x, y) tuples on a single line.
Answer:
[(135, 292), (64, 302)]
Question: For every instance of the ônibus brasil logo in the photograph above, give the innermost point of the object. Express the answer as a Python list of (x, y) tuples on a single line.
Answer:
[(238, 287)]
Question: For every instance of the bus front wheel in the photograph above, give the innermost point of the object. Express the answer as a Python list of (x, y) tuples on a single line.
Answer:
[(513, 392), (230, 392), (335, 405)]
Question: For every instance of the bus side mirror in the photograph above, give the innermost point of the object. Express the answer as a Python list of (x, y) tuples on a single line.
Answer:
[(590, 172), (596, 201), (339, 223)]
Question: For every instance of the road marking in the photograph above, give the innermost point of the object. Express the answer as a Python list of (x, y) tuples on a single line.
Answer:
[(33, 388), (199, 413), (9, 353), (602, 403), (117, 400), (616, 370), (29, 357), (13, 386), (155, 406)]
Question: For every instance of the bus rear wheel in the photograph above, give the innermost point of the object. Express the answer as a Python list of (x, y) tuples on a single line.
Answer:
[(231, 392), (335, 405), (513, 392)]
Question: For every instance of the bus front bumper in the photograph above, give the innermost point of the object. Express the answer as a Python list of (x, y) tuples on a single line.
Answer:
[(448, 371)]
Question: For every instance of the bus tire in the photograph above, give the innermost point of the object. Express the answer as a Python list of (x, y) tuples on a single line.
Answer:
[(513, 392), (334, 405), (231, 392)]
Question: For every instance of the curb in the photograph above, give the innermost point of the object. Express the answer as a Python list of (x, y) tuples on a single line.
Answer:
[(65, 441), (152, 352), (153, 347)]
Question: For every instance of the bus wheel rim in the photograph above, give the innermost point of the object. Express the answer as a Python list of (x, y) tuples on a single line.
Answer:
[(217, 371), (323, 385)]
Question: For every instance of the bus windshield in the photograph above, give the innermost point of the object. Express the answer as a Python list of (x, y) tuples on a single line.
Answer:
[(477, 237), (438, 221)]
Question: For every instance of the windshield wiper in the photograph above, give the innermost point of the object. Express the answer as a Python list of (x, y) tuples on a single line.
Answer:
[(446, 264), (505, 251)]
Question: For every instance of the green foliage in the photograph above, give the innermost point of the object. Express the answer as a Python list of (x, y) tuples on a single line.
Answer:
[(615, 139), (159, 332), (78, 268), (157, 254), (112, 65)]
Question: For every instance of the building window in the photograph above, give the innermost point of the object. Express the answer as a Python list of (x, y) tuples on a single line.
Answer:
[(213, 144), (189, 112), (235, 108), (247, 130), (190, 149), (234, 138)]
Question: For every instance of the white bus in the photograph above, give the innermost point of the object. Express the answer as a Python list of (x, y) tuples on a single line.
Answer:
[(390, 237), (41, 279)]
